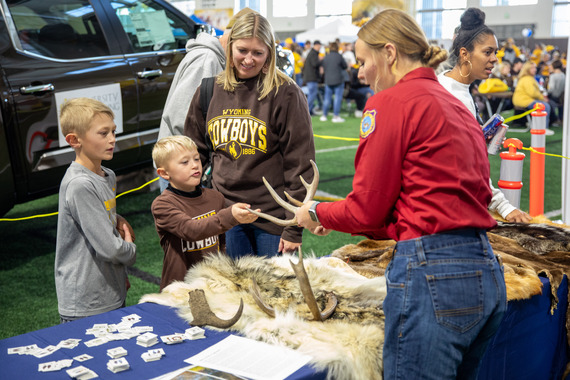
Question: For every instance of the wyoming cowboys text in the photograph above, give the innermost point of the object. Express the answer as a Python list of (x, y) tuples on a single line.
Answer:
[(237, 132), (193, 246)]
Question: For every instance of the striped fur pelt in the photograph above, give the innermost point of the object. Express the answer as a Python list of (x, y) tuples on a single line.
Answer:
[(348, 344)]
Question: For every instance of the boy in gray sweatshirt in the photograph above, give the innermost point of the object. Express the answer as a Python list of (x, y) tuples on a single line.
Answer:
[(94, 245)]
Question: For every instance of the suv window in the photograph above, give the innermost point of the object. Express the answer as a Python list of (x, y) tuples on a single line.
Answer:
[(58, 28), (150, 27)]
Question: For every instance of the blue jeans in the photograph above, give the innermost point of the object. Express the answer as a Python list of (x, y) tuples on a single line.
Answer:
[(313, 92), (247, 239), (338, 91), (547, 109), (446, 298)]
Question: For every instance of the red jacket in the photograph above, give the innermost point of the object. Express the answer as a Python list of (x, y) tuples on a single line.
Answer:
[(421, 166)]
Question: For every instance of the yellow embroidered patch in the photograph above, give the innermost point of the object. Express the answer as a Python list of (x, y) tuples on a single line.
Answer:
[(368, 123)]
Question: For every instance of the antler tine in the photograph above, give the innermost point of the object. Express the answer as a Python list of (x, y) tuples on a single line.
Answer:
[(275, 220), (307, 291), (203, 315), (311, 188), (254, 291), (278, 199), (295, 204), (293, 200)]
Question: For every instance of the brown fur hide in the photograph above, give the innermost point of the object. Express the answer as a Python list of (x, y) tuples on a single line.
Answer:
[(348, 344)]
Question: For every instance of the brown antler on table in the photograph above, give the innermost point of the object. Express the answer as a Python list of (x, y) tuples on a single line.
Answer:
[(306, 290), (311, 190), (203, 315), (254, 291)]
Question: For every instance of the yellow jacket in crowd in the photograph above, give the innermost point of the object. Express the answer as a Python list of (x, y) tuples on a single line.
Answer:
[(526, 92)]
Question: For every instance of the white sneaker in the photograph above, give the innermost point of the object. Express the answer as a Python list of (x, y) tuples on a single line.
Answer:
[(338, 119), (547, 132), (323, 118), (358, 114)]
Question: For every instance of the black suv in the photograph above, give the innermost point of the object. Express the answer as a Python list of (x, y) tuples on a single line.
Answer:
[(123, 52)]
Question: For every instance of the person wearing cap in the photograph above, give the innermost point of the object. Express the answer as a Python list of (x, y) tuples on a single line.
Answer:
[(311, 74), (205, 57), (259, 127)]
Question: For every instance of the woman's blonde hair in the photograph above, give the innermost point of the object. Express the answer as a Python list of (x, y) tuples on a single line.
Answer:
[(249, 26), (400, 29), (77, 114), (525, 69), (163, 148)]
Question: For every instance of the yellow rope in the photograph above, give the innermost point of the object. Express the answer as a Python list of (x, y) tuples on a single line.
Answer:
[(545, 154), (514, 117), (337, 138), (55, 213)]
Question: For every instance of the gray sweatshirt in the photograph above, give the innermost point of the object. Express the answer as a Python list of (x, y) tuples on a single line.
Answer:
[(205, 58), (90, 255)]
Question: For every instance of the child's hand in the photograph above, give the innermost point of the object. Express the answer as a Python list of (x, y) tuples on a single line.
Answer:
[(125, 229), (242, 215)]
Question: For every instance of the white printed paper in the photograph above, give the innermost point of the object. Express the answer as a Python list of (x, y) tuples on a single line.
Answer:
[(250, 358)]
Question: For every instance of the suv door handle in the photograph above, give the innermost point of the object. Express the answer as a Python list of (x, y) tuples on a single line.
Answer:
[(149, 73), (38, 88)]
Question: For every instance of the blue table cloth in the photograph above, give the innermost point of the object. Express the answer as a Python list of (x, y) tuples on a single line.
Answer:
[(164, 322), (531, 343)]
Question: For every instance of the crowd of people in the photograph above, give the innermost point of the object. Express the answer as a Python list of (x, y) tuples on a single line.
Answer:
[(318, 70), (231, 110)]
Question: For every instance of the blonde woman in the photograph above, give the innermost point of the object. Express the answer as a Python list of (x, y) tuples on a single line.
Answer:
[(528, 93), (419, 183), (259, 126)]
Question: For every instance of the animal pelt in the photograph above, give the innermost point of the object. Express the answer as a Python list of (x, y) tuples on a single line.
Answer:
[(348, 344)]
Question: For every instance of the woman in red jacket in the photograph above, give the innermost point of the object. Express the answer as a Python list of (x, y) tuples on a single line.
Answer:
[(422, 179)]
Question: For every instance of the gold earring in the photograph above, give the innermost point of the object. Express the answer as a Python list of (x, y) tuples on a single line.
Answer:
[(470, 69)]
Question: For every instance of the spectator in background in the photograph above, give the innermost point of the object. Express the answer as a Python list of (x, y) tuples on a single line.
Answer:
[(311, 74), (306, 49), (348, 55), (556, 85), (358, 90), (516, 67), (298, 64), (527, 93), (335, 75)]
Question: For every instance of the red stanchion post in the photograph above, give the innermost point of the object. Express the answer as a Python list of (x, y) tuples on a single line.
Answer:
[(538, 143), (510, 178)]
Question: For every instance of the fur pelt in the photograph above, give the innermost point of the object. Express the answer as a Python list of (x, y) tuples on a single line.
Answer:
[(348, 344)]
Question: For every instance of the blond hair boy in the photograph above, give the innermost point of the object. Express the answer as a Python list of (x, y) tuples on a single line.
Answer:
[(189, 219), (94, 245)]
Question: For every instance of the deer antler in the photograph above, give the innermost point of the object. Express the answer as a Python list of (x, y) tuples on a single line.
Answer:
[(254, 291), (306, 290), (203, 315), (305, 285), (311, 190)]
